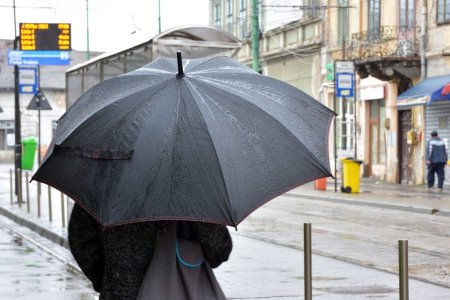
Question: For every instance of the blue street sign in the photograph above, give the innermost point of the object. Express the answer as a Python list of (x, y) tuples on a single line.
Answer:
[(28, 80), (344, 84), (53, 58), (345, 78)]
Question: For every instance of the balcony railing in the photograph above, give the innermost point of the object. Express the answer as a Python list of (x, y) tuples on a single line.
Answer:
[(385, 42)]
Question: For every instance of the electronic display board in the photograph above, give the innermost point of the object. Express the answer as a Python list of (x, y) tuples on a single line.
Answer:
[(45, 36)]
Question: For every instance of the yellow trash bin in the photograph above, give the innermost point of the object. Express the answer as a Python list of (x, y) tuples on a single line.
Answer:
[(350, 175)]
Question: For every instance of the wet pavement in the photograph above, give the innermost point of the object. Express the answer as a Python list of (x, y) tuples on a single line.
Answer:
[(27, 272), (354, 241)]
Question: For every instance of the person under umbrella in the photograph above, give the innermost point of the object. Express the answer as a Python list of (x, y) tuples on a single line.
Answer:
[(205, 147), (116, 259)]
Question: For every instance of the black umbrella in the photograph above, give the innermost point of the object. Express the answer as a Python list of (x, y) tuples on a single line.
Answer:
[(211, 144)]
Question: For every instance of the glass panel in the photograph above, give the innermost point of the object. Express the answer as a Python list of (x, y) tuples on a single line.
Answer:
[(74, 88), (343, 26), (6, 131), (447, 10), (91, 77), (113, 67), (374, 109), (382, 149), (374, 144), (137, 58), (230, 16), (402, 12), (411, 13), (374, 17), (217, 13), (440, 10), (243, 19), (2, 139)]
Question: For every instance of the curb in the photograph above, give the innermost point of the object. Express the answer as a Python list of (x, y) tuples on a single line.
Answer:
[(41, 230), (408, 208)]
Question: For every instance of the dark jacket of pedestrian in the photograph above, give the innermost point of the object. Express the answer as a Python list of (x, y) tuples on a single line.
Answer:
[(116, 259), (436, 151)]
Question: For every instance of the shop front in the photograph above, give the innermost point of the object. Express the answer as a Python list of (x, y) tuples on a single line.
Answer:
[(422, 109)]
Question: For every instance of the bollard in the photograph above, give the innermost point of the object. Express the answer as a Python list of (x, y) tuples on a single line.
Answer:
[(403, 269), (63, 213), (307, 260), (11, 185), (39, 199), (19, 187), (28, 191), (49, 204)]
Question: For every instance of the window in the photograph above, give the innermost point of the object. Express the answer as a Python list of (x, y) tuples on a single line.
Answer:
[(230, 16), (243, 18), (7, 137), (374, 19), (345, 124), (217, 14), (407, 14), (313, 8), (443, 11), (343, 21)]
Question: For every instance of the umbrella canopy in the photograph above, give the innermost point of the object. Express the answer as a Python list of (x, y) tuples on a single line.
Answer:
[(210, 141)]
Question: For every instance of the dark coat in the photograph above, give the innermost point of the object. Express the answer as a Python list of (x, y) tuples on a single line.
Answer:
[(115, 259), (436, 151)]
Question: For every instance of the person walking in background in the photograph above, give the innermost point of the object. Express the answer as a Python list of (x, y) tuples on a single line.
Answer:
[(436, 154)]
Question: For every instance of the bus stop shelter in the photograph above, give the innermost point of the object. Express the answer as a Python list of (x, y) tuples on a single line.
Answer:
[(192, 41)]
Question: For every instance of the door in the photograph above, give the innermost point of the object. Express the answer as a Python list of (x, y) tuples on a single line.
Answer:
[(377, 140), (404, 149)]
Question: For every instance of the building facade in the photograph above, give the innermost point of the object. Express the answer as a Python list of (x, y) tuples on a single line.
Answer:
[(289, 37), (401, 59), (396, 47)]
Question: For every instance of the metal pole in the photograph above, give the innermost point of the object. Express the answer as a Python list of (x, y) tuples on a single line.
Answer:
[(50, 217), (88, 55), (335, 130), (17, 129), (255, 36), (28, 191), (19, 185), (11, 185), (307, 260), (159, 16), (39, 129), (39, 199), (403, 269), (423, 40), (63, 213)]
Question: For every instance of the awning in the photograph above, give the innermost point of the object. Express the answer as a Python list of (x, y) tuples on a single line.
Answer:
[(426, 92)]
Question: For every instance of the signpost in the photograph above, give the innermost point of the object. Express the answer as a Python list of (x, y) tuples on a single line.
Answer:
[(345, 78), (34, 58), (40, 44), (28, 80), (344, 85), (39, 102)]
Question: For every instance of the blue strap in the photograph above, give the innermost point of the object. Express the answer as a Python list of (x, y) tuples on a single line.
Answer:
[(185, 263)]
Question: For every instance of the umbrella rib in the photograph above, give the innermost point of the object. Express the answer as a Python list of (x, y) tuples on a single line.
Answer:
[(237, 94), (215, 151)]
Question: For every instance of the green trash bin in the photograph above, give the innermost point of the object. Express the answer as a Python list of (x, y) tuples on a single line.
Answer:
[(350, 175), (28, 152)]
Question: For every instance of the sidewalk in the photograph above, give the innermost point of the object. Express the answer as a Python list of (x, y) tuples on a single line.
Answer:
[(414, 198), (257, 268)]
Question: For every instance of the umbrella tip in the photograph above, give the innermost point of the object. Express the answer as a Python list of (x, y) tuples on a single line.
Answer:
[(180, 65)]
